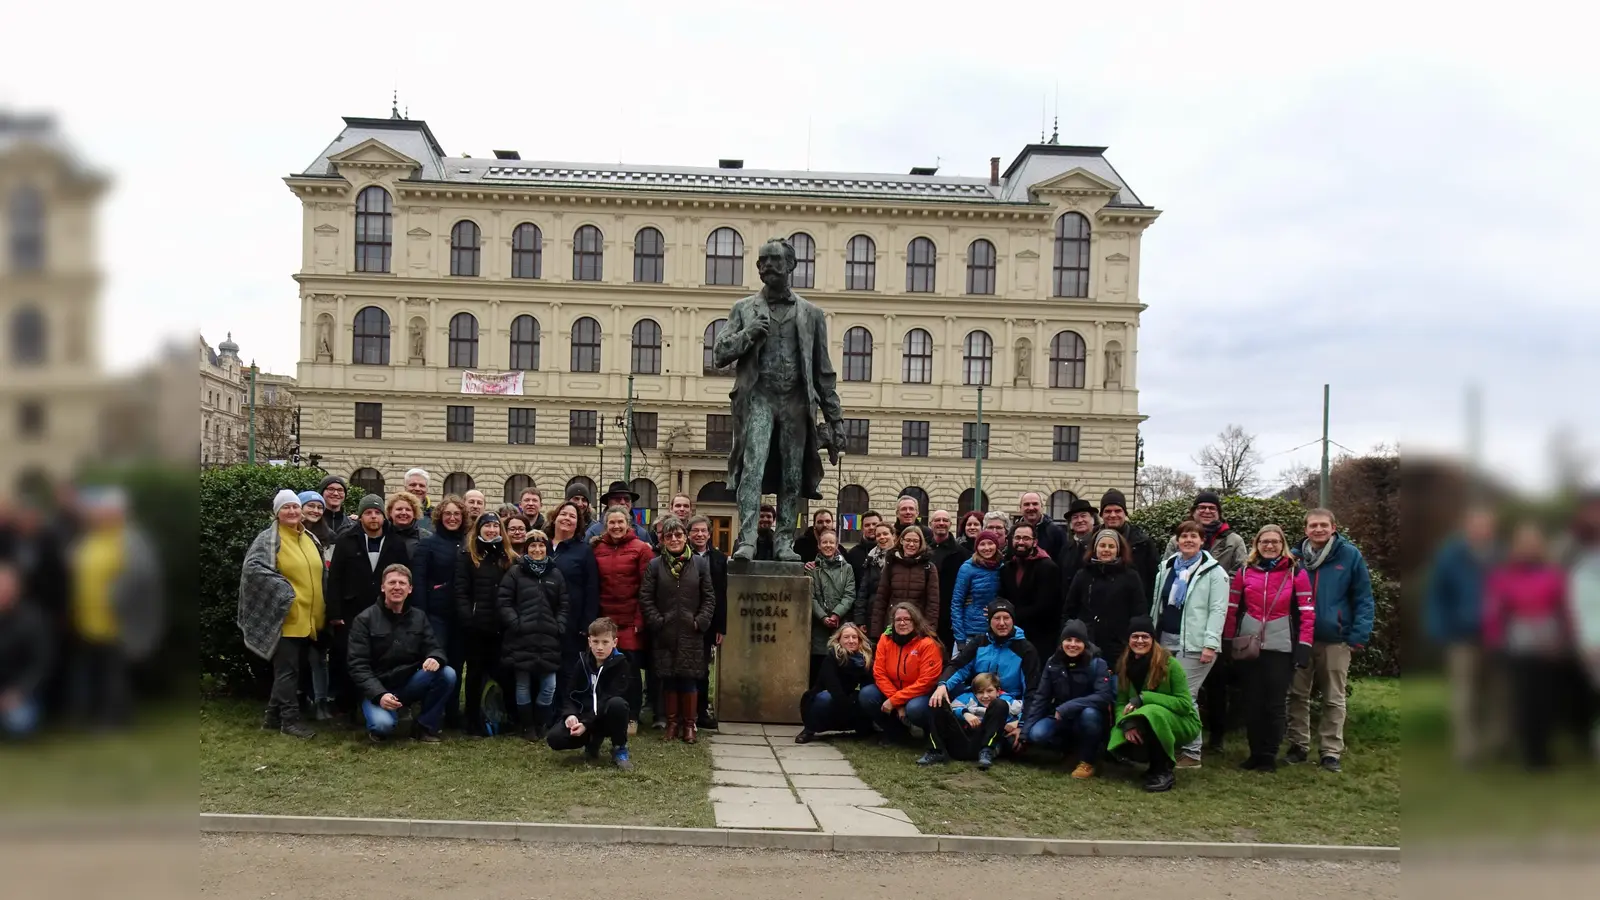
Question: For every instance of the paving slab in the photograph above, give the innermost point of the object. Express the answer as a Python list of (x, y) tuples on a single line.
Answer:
[(806, 751), (752, 779), (727, 794), (837, 782), (740, 764), (748, 740), (785, 816), (724, 728), (815, 767), (740, 751), (854, 820), (780, 731), (836, 797)]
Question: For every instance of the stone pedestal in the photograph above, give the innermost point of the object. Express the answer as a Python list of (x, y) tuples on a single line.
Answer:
[(764, 663)]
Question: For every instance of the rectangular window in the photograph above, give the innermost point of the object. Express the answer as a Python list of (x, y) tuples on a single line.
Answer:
[(520, 425), (369, 421), (972, 439), (644, 430), (1065, 446), (913, 438), (583, 427), (719, 434), (855, 436), (458, 424)]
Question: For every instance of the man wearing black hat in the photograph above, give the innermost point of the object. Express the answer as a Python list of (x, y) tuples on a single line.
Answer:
[(1114, 513), (1225, 545), (1080, 534), (619, 494)]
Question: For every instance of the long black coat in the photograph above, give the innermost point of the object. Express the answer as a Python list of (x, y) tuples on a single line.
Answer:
[(354, 584), (1146, 557), (677, 614), (533, 611), (477, 592), (947, 558), (386, 648), (1106, 595), (717, 561), (1037, 596), (433, 572)]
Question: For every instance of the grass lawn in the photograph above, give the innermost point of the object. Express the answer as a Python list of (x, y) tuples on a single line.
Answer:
[(1036, 798), (340, 773), (149, 767)]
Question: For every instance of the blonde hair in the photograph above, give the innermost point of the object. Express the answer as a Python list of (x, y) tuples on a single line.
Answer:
[(402, 497), (985, 681), (840, 654), (1269, 528)]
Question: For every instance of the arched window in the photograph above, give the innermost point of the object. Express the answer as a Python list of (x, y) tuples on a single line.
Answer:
[(858, 354), (715, 492), (709, 363), (980, 267), (515, 485), (649, 256), (922, 258), (457, 483), (964, 504), (588, 254), (853, 501), (1060, 502), (464, 249), (977, 363), (725, 257), (1067, 356), (921, 496), (648, 498), (646, 348), (805, 260), (28, 337), (1072, 256), (916, 360), (374, 229), (584, 482), (585, 345), (25, 215), (860, 264), (525, 344), (527, 251), (463, 341), (370, 481), (370, 346)]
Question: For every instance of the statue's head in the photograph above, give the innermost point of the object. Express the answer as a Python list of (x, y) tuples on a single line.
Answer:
[(775, 262)]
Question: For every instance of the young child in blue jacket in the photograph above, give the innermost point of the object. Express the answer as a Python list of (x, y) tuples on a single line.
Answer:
[(973, 727)]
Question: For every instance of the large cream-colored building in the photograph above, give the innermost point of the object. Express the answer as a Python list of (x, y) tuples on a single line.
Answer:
[(418, 266)]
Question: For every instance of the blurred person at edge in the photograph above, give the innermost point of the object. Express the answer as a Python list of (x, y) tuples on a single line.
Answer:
[(282, 607), (117, 608), (433, 569), (1583, 595), (1525, 620), (417, 486), (26, 655), (1454, 613)]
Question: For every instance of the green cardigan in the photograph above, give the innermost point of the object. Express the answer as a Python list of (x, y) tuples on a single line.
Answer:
[(1168, 709)]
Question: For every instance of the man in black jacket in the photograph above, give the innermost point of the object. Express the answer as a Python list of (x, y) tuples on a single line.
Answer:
[(948, 556), (717, 562), (765, 533), (1030, 579), (806, 544), (1114, 512), (355, 582), (857, 556), (1050, 537), (1080, 532), (395, 661), (596, 706)]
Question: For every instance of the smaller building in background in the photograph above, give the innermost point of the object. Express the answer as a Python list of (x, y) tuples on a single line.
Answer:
[(225, 408)]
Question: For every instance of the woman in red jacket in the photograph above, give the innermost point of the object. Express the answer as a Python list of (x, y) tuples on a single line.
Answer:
[(906, 666), (622, 559), (1270, 602), (1525, 618)]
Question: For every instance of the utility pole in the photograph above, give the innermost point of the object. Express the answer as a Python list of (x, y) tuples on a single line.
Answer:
[(600, 441), (1474, 442), (1322, 483), (627, 434), (252, 451), (982, 448)]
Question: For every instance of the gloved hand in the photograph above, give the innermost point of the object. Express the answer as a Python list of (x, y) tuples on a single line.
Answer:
[(1302, 656)]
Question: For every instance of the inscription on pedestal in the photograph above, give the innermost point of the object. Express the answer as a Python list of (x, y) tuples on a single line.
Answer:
[(764, 662)]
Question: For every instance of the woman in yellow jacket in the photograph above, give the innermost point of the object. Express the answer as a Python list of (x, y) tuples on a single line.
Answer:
[(281, 607)]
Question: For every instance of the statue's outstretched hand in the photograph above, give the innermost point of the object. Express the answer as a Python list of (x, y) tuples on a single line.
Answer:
[(835, 442)]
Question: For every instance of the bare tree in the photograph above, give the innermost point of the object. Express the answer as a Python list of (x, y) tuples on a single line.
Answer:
[(1231, 463), (1158, 484), (275, 436), (1298, 481)]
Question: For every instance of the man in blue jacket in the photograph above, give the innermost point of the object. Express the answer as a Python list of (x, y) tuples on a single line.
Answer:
[(1454, 611), (1341, 587), (1003, 651)]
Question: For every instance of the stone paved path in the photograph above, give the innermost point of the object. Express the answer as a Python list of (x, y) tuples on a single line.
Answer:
[(762, 779)]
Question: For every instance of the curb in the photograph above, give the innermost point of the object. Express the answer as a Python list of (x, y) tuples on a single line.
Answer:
[(781, 840)]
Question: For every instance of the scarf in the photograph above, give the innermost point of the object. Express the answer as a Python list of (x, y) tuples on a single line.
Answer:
[(1139, 670), (876, 557), (1212, 532), (535, 567), (982, 563), (1311, 559), (1181, 570), (676, 561), (901, 639)]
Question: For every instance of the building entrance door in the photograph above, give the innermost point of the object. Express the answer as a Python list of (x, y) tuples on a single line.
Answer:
[(722, 533)]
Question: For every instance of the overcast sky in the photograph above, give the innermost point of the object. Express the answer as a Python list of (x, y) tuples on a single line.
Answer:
[(1374, 196)]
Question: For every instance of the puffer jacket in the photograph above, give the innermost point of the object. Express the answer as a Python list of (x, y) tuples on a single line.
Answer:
[(975, 588), (1342, 589), (1279, 596), (678, 613), (533, 611), (386, 648), (622, 566), (1067, 684), (477, 592), (1205, 605), (913, 580), (1013, 659), (1106, 596), (833, 593), (433, 572)]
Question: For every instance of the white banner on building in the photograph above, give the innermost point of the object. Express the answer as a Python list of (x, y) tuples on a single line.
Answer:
[(509, 383)]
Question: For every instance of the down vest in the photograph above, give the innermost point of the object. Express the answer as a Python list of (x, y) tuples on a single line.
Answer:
[(622, 565), (914, 581), (534, 610)]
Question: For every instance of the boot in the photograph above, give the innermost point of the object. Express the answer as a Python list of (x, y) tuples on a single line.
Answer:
[(688, 705), (525, 720), (322, 711), (669, 704), (541, 721), (296, 729)]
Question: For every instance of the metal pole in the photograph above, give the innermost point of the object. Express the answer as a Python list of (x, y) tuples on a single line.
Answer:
[(252, 452), (600, 441), (1322, 485), (982, 447), (1474, 436), (627, 434)]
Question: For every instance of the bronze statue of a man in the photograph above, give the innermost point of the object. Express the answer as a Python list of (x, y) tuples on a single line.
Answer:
[(780, 342)]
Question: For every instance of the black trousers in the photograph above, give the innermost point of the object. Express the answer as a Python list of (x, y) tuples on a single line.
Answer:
[(953, 735), (640, 660), (101, 694), (284, 701), (1149, 750), (704, 702), (1536, 685), (612, 723), (340, 688), (482, 662), (1214, 696), (1266, 681)]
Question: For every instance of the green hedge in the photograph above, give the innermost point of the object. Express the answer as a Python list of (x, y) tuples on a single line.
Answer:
[(1246, 515)]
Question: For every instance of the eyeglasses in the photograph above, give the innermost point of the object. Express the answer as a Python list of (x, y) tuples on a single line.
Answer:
[(1139, 638)]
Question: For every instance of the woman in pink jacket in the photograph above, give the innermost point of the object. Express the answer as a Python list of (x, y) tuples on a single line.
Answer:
[(1525, 620), (1270, 604)]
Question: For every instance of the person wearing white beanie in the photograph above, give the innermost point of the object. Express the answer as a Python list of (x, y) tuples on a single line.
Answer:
[(283, 498), (282, 607)]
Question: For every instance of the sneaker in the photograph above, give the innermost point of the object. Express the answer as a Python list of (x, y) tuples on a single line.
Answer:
[(658, 724), (633, 727), (619, 755), (1188, 762), (1331, 764), (1296, 755), (932, 758), (805, 736), (1083, 771), (298, 729), (1159, 782), (985, 759), (431, 737)]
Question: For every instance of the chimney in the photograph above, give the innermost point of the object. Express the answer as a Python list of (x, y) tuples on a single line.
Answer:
[(730, 163), (994, 171)]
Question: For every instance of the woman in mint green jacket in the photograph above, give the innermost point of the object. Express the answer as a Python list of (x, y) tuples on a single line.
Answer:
[(1155, 714), (1189, 609)]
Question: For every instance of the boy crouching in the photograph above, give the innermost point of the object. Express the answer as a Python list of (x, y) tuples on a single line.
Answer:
[(597, 708), (971, 730)]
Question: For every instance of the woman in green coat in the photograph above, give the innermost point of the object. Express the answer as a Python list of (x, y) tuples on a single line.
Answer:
[(1155, 714), (833, 594)]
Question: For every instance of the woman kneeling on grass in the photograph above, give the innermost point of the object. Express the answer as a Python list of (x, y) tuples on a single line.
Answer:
[(832, 704), (1155, 714)]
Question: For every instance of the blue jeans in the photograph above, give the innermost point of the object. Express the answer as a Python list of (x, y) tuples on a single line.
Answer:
[(547, 688), (432, 688), (821, 712), (871, 700), (1084, 729), (21, 720)]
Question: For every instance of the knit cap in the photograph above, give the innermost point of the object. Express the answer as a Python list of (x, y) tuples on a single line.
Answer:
[(370, 501), (311, 497), (997, 607), (284, 498), (990, 535), (1206, 497)]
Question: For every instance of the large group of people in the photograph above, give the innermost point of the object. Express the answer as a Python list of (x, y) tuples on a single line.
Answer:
[(974, 638)]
